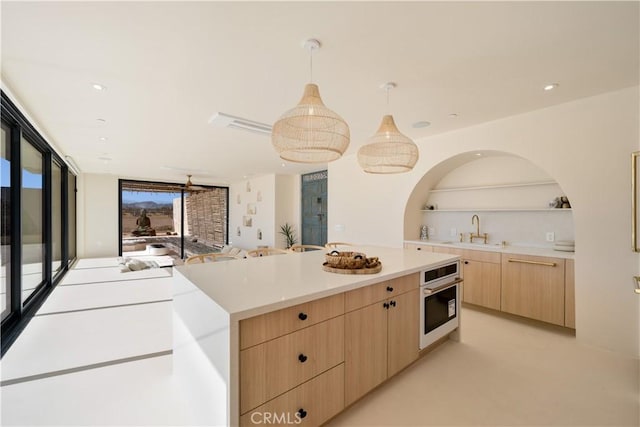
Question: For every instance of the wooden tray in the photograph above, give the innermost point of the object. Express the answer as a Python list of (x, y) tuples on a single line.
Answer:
[(371, 270)]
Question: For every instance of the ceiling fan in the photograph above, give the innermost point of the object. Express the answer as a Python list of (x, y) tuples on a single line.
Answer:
[(188, 186)]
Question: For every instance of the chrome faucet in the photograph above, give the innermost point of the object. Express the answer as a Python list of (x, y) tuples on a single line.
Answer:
[(476, 220)]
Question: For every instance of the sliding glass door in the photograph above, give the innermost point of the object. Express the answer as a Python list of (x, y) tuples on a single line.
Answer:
[(158, 217), (32, 218), (56, 218), (5, 203), (38, 220)]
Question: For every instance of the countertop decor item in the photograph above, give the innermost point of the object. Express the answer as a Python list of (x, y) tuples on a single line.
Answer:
[(377, 268), (388, 151), (351, 263), (310, 132)]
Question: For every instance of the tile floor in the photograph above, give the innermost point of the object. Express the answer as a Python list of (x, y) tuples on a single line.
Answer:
[(99, 353)]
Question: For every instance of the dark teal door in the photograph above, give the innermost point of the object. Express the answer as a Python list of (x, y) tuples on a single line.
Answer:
[(314, 208)]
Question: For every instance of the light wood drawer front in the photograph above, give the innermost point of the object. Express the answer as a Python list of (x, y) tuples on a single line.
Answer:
[(447, 250), (404, 284), (268, 326), (482, 256), (320, 398), (417, 247), (471, 254), (271, 368), (368, 295)]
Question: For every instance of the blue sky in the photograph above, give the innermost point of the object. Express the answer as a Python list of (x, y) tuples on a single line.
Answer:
[(148, 196), (29, 180)]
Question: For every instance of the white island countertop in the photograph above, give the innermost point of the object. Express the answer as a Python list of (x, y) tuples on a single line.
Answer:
[(253, 286)]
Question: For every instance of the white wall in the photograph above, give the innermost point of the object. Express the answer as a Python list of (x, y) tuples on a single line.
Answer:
[(287, 206), (277, 200), (585, 146), (247, 192), (98, 216)]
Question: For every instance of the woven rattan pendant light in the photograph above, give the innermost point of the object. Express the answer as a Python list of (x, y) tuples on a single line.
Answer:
[(388, 151), (310, 132)]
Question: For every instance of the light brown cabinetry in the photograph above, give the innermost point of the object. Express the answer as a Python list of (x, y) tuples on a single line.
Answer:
[(418, 247), (482, 283), (569, 294), (481, 271), (273, 367), (309, 404), (381, 333), (277, 323), (289, 358), (534, 287)]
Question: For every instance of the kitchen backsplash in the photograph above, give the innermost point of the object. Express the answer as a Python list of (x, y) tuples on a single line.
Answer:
[(527, 228)]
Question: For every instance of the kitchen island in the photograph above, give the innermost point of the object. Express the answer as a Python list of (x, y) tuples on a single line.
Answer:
[(265, 334)]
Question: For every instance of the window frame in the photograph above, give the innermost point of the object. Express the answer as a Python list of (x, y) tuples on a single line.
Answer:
[(21, 314)]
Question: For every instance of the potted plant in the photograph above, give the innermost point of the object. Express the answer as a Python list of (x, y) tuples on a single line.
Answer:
[(290, 236)]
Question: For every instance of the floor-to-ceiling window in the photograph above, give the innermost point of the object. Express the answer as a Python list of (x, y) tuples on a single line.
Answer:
[(71, 215), (185, 221), (38, 220), (32, 206), (5, 205), (57, 218)]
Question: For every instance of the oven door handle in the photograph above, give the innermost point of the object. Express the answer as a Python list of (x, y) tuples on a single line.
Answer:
[(442, 287)]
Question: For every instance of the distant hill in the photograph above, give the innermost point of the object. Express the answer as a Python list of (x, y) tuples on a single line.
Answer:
[(144, 205)]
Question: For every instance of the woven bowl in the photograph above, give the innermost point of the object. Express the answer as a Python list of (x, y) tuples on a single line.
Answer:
[(350, 260)]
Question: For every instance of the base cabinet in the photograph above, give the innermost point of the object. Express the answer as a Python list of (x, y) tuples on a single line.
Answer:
[(403, 334), (381, 338), (481, 271), (365, 350), (481, 283), (418, 247), (533, 287), (309, 404)]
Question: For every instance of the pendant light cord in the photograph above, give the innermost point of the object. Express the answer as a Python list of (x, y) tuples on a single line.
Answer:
[(388, 109), (311, 65)]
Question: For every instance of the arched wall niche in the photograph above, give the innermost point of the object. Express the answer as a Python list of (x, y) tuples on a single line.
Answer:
[(518, 215)]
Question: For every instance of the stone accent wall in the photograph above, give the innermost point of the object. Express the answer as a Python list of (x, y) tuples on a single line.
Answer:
[(207, 215)]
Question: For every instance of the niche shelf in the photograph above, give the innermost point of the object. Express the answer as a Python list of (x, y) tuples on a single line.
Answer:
[(490, 187), (500, 210)]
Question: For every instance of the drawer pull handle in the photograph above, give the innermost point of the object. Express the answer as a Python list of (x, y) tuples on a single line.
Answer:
[(419, 249), (389, 289), (392, 303), (637, 279), (302, 316), (302, 358), (385, 305), (302, 413), (524, 261)]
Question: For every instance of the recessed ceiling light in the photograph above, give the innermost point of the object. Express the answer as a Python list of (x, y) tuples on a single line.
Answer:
[(98, 87), (421, 124), (453, 116), (103, 139), (283, 165), (101, 121), (478, 154), (551, 86), (105, 159)]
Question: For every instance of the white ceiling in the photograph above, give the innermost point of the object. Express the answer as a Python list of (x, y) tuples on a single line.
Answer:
[(169, 66)]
